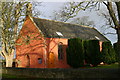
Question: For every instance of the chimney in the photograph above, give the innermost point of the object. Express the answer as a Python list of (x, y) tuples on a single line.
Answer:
[(29, 9)]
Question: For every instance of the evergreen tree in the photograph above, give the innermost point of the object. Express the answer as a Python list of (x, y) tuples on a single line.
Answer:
[(75, 53), (108, 53)]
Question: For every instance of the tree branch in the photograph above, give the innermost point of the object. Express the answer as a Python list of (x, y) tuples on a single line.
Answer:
[(112, 14), (105, 3), (1, 53), (118, 9), (109, 33)]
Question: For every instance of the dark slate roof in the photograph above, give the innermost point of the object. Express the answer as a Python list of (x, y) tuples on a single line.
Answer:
[(50, 27)]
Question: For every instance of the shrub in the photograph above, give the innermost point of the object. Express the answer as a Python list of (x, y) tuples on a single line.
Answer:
[(116, 51), (108, 53), (86, 51), (75, 53), (92, 52)]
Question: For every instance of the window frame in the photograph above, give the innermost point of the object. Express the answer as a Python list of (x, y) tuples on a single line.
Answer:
[(60, 51), (39, 60)]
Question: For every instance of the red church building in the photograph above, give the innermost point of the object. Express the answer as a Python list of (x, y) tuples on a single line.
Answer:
[(42, 43)]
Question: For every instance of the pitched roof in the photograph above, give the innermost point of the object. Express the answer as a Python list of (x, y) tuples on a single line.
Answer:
[(55, 29)]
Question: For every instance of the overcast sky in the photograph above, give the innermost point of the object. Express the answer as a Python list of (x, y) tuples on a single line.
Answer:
[(48, 8)]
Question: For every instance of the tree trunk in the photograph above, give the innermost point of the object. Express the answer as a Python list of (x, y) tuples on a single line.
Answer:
[(9, 61), (118, 42), (118, 33), (118, 28)]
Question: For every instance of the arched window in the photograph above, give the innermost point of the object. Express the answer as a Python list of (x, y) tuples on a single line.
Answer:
[(28, 60), (40, 60), (60, 51)]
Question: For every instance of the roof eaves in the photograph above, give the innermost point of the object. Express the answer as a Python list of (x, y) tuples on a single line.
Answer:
[(101, 34)]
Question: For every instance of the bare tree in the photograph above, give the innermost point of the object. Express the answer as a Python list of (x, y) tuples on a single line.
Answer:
[(83, 21), (70, 10), (10, 17), (115, 19), (112, 16), (36, 12), (108, 24)]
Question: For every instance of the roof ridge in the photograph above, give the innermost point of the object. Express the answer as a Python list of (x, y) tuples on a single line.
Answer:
[(65, 22)]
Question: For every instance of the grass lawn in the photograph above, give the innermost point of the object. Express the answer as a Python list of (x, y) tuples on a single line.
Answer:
[(16, 77), (107, 66), (12, 76)]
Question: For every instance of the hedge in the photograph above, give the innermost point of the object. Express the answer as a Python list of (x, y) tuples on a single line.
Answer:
[(92, 52), (108, 53), (75, 53), (116, 48), (79, 50), (89, 50)]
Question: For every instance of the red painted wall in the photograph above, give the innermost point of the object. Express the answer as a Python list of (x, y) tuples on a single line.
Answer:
[(100, 43), (27, 55), (53, 48), (34, 50)]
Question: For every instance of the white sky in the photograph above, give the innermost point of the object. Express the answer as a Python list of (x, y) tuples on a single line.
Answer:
[(59, 0), (48, 8), (69, 0)]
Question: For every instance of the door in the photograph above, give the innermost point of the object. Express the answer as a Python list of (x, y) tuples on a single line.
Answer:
[(51, 61)]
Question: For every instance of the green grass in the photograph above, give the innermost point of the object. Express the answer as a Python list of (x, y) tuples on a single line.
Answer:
[(106, 66), (12, 76), (16, 77)]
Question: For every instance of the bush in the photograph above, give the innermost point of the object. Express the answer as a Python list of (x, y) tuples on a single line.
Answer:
[(86, 51), (75, 53), (92, 52), (108, 53), (116, 51)]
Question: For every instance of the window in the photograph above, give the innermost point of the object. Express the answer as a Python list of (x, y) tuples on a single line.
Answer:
[(97, 37), (59, 34), (60, 51), (40, 60)]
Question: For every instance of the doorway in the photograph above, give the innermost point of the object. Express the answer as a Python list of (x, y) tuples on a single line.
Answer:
[(51, 60)]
